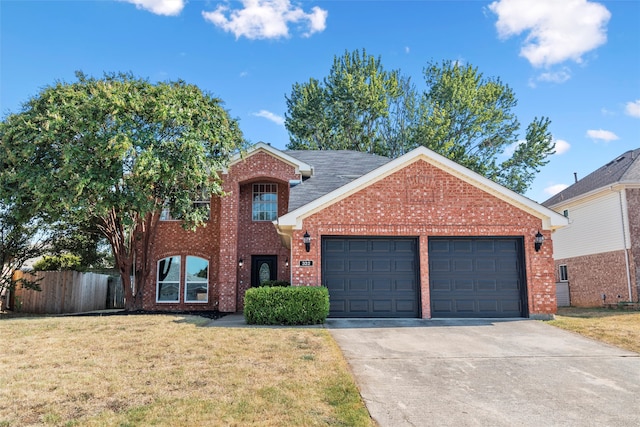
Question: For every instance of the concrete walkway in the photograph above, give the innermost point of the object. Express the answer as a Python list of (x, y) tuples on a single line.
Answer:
[(416, 372)]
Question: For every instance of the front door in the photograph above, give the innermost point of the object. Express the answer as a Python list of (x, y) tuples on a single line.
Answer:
[(263, 268)]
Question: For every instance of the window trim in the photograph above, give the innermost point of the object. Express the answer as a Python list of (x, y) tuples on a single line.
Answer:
[(159, 282), (273, 189), (563, 273), (187, 282), (182, 283)]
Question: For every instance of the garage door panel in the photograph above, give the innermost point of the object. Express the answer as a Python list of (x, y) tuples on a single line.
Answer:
[(382, 277), (462, 246), (337, 265), (405, 285), (337, 284), (382, 284), (356, 246), (359, 306), (486, 280), (463, 265), (381, 265), (463, 285), (357, 285)]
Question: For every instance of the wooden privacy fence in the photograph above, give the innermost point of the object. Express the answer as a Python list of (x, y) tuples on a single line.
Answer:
[(65, 292)]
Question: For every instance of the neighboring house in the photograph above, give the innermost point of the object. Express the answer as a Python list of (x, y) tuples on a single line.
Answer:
[(417, 236), (598, 254)]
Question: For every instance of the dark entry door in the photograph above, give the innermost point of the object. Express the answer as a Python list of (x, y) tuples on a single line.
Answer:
[(263, 268)]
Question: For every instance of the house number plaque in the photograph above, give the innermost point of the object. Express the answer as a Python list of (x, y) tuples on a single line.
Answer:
[(306, 263)]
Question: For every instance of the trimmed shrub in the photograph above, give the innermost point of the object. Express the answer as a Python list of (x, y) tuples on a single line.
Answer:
[(275, 283), (293, 305)]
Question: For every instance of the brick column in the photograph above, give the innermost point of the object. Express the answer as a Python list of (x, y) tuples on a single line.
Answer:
[(227, 273)]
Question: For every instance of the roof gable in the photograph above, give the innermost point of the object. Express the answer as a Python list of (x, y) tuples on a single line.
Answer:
[(549, 218), (624, 169), (301, 167)]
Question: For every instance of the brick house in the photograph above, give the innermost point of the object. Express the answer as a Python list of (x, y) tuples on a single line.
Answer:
[(416, 236), (597, 256)]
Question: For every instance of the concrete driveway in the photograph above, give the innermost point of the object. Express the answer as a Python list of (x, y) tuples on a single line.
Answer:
[(416, 372)]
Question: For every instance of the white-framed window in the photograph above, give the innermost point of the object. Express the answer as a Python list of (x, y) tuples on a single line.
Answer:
[(196, 283), (562, 273), (264, 202), (193, 281), (168, 280)]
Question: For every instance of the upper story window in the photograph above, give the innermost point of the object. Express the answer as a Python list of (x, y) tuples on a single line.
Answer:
[(265, 202)]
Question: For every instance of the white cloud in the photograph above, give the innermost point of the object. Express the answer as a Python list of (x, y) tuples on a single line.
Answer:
[(279, 120), (556, 30), (604, 135), (160, 7), (555, 76), (511, 148), (555, 189), (633, 108), (407, 49), (562, 146), (267, 19)]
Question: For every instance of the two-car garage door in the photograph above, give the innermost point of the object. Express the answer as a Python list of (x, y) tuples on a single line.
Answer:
[(379, 277)]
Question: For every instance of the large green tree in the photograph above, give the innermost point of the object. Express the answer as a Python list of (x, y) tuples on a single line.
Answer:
[(114, 151), (348, 109), (470, 119), (460, 114)]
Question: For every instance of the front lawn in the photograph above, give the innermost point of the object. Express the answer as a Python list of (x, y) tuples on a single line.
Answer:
[(166, 370), (616, 327)]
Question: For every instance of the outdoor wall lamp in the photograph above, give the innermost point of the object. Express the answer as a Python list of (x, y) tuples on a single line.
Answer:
[(286, 263), (538, 241), (306, 239), (240, 262)]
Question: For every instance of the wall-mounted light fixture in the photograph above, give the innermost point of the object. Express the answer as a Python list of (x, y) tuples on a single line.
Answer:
[(240, 262), (286, 263), (306, 239), (538, 240)]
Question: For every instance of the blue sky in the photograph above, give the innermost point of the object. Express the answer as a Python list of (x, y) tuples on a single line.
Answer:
[(574, 61)]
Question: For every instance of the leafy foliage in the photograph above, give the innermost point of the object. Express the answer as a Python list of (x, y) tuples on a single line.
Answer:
[(294, 305), (58, 263), (19, 242), (460, 114), (112, 152), (348, 110)]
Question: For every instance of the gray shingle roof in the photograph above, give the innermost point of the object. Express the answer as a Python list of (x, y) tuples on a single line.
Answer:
[(331, 170), (623, 169)]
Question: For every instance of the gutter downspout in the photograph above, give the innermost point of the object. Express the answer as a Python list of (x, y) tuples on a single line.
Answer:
[(624, 241)]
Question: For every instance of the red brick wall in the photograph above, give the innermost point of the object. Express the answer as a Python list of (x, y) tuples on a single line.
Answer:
[(424, 201), (590, 276), (229, 235)]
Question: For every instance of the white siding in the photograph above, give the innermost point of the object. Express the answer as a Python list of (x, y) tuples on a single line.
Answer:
[(595, 226)]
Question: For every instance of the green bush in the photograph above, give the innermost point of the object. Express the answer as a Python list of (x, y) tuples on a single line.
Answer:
[(293, 305), (275, 283), (58, 263)]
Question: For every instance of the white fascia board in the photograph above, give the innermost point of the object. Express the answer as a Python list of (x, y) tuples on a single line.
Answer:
[(550, 219), (301, 168)]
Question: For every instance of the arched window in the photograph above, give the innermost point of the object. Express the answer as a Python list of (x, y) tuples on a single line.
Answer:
[(168, 280), (197, 280)]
